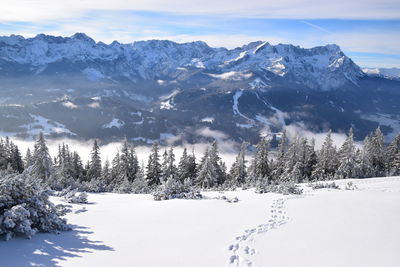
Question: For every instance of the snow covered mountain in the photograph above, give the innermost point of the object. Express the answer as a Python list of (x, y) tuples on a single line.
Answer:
[(390, 73), (162, 90), (324, 67)]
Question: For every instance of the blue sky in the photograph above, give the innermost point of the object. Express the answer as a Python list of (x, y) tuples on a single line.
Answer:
[(368, 31)]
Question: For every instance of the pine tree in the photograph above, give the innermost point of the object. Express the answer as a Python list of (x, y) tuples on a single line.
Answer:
[(16, 159), (392, 152), (42, 166), (327, 160), (94, 170), (78, 171), (164, 166), (28, 158), (106, 172), (373, 154), (261, 169), (238, 173), (207, 176), (306, 159), (128, 163), (311, 160), (115, 169), (396, 164), (278, 167), (4, 157), (154, 171), (217, 163), (169, 170), (378, 151), (182, 165), (187, 167), (291, 157), (347, 158)]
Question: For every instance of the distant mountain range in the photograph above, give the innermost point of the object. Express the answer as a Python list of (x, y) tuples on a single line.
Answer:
[(389, 73), (162, 90)]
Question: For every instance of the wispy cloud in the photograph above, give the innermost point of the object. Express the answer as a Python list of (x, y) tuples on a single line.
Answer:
[(24, 10), (315, 26)]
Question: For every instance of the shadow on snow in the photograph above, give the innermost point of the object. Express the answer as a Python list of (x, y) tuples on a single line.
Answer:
[(46, 249)]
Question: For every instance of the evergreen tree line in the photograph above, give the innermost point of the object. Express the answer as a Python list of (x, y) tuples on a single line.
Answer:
[(292, 162)]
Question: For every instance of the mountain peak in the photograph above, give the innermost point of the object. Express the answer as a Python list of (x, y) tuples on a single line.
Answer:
[(82, 37)]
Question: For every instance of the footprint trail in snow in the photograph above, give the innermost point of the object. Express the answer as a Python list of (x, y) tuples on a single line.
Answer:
[(241, 250)]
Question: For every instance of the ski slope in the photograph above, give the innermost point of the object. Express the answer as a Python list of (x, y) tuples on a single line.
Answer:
[(324, 227)]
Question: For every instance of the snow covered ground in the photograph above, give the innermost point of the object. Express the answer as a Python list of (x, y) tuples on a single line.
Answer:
[(324, 227)]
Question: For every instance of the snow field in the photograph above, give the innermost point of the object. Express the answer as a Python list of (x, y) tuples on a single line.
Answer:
[(324, 227)]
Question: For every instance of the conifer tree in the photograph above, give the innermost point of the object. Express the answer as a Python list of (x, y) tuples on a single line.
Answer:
[(217, 163), (238, 173), (291, 157), (186, 167), (16, 159), (78, 171), (42, 166), (169, 169), (373, 155), (115, 169), (106, 172), (28, 158), (261, 169), (128, 163), (396, 165), (207, 176), (94, 170), (278, 167), (327, 160), (154, 171), (347, 158), (378, 152), (392, 153)]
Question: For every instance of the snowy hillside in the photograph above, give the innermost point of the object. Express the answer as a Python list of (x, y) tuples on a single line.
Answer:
[(323, 227)]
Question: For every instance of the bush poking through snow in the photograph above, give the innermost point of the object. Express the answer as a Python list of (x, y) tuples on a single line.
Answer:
[(76, 198), (25, 208), (175, 189), (230, 200), (351, 186), (284, 188), (71, 196), (324, 185)]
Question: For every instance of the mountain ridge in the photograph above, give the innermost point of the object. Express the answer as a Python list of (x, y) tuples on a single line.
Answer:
[(162, 90), (322, 67)]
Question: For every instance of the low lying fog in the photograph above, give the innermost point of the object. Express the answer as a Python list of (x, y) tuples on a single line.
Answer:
[(228, 148)]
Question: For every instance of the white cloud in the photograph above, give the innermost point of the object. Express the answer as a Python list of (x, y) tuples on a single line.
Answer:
[(27, 10), (386, 42), (298, 129), (70, 105)]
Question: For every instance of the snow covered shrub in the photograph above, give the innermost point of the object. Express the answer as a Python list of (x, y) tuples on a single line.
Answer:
[(139, 186), (74, 197), (350, 186), (94, 186), (123, 188), (289, 189), (230, 200), (25, 208), (175, 189), (283, 188), (324, 185)]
